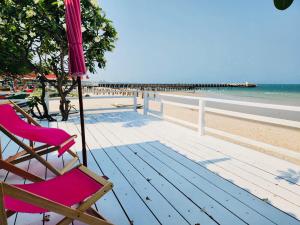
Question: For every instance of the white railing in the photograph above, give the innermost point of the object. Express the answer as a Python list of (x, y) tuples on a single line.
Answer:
[(202, 108)]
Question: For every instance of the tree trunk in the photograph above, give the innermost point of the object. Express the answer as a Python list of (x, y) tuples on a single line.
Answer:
[(64, 107), (65, 104), (46, 114)]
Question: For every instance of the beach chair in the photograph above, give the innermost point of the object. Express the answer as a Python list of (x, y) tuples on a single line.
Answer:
[(52, 139), (79, 187)]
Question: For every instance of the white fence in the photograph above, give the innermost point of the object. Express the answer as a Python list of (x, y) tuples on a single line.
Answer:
[(202, 108)]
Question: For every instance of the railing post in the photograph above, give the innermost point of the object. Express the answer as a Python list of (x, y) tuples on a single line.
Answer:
[(146, 103), (161, 107), (135, 101), (201, 122)]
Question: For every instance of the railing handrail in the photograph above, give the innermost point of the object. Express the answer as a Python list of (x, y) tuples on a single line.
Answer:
[(237, 102), (255, 104), (202, 108)]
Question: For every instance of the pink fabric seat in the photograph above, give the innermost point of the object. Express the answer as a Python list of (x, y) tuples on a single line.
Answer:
[(10, 120), (68, 189)]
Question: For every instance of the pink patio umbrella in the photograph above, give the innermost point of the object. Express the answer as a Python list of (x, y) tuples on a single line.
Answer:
[(76, 57)]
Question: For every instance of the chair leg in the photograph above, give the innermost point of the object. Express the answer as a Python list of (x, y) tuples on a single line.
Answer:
[(20, 172), (46, 164), (69, 165), (85, 207), (67, 221), (3, 218), (95, 213)]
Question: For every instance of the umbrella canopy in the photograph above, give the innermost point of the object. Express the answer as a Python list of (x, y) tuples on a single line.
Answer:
[(74, 34), (76, 57)]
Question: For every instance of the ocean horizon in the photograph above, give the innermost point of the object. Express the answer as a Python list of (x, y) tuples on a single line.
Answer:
[(287, 94)]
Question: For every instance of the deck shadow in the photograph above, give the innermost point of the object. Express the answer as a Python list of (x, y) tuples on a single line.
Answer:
[(170, 167), (128, 118), (290, 175)]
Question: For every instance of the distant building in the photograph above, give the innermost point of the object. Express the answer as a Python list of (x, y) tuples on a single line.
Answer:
[(23, 82)]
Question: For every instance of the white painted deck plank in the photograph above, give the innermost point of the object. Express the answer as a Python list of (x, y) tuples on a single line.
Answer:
[(281, 198), (179, 141), (135, 208), (150, 196), (179, 202), (221, 185), (240, 157), (246, 166), (284, 172), (273, 165), (267, 163), (123, 135), (206, 203), (108, 205), (115, 116), (180, 156), (265, 209), (230, 165)]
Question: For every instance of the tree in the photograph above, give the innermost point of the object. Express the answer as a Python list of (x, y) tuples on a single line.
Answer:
[(13, 59), (282, 4), (41, 25)]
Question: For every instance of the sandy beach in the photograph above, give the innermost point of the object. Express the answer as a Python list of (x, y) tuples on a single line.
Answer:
[(275, 135)]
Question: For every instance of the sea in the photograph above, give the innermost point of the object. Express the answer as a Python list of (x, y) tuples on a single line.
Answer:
[(280, 94), (285, 94)]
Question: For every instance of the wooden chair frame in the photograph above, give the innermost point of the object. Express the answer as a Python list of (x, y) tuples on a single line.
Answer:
[(83, 212), (29, 152)]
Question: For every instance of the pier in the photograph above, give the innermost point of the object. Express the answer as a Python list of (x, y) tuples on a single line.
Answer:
[(170, 86)]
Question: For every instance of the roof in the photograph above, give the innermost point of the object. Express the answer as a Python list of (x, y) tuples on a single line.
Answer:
[(33, 76)]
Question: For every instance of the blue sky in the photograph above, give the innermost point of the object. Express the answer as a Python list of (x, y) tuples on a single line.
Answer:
[(203, 41)]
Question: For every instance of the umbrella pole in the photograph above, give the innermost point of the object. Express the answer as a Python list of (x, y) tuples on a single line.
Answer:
[(84, 156)]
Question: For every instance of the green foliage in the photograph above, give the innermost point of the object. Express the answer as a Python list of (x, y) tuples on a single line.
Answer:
[(40, 26), (282, 4), (14, 58), (35, 30)]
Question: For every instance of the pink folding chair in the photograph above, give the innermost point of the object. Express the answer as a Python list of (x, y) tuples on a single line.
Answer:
[(53, 139), (79, 187)]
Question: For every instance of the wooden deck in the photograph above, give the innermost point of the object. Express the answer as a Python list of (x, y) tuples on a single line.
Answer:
[(167, 174)]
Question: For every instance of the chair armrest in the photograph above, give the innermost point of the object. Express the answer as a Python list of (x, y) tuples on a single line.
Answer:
[(67, 141), (100, 179)]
